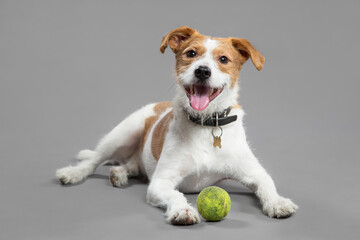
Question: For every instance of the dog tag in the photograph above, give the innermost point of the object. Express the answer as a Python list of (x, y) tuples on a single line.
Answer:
[(217, 139), (217, 142)]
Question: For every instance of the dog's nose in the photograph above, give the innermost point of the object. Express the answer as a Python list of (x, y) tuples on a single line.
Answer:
[(203, 72)]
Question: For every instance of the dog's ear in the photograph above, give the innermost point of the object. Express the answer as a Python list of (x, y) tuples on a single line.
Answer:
[(175, 38), (247, 50)]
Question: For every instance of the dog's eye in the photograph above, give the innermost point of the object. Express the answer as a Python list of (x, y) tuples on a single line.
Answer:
[(223, 59), (190, 53)]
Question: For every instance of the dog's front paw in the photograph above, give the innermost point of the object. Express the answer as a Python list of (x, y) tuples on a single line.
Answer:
[(70, 175), (184, 216), (279, 208)]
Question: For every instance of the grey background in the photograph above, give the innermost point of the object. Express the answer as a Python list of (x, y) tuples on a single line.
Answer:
[(71, 70)]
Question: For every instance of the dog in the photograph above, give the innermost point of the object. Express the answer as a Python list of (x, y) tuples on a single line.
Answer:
[(194, 141)]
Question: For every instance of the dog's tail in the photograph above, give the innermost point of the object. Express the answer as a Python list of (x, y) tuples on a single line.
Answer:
[(85, 154)]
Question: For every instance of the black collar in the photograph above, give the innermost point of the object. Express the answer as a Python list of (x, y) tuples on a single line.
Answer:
[(223, 118)]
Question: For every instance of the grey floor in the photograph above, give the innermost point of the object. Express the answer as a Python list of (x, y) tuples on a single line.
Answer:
[(71, 70)]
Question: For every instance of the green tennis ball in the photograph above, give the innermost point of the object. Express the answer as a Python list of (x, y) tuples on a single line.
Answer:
[(213, 203)]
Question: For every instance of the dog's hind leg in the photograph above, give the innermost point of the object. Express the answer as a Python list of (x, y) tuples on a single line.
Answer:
[(121, 143), (119, 174)]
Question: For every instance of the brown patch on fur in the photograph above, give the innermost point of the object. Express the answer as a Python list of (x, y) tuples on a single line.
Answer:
[(159, 108), (247, 50), (236, 50), (196, 43), (176, 38), (237, 106), (149, 122), (236, 60), (159, 134)]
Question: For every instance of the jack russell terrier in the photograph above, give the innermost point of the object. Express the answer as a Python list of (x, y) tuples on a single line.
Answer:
[(192, 142)]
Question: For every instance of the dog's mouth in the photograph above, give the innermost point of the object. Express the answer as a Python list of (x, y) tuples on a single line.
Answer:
[(201, 95)]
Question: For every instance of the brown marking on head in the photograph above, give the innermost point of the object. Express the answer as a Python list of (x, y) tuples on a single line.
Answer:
[(195, 43), (247, 50), (237, 50), (181, 40), (233, 66), (176, 38), (159, 133), (159, 108)]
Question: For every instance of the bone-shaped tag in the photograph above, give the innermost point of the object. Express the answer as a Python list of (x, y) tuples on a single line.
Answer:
[(217, 142)]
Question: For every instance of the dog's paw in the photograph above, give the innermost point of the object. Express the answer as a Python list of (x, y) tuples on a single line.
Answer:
[(118, 176), (184, 216), (70, 175), (279, 208)]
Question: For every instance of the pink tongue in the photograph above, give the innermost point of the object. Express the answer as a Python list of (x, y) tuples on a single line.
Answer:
[(200, 100)]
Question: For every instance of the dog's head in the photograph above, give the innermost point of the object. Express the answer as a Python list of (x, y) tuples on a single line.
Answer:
[(208, 68)]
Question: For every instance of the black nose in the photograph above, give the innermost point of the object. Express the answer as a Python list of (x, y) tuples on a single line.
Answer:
[(202, 73)]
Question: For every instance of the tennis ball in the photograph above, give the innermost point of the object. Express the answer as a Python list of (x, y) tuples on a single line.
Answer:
[(213, 203)]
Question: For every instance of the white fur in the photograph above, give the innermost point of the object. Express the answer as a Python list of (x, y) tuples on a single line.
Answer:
[(188, 161)]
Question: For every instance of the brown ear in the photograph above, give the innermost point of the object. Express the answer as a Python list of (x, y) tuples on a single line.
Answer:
[(175, 38), (247, 50)]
